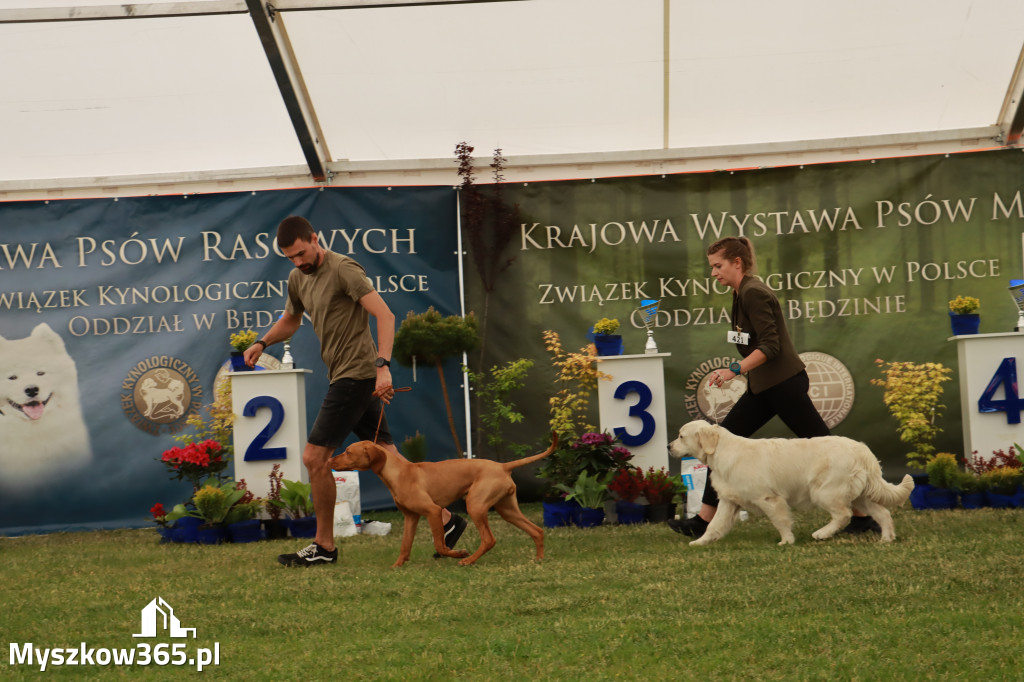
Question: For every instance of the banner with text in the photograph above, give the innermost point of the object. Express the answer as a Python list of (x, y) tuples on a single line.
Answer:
[(863, 256), (115, 318)]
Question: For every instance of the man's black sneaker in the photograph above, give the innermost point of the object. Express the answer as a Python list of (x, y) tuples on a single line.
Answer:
[(694, 527), (452, 532), (862, 524), (309, 556)]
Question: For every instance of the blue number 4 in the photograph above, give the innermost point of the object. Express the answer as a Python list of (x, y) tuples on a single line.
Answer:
[(1005, 376)]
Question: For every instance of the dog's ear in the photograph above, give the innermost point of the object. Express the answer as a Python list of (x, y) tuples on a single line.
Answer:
[(707, 437), (376, 456)]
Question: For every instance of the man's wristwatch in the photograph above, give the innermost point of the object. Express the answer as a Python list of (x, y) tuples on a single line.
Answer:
[(261, 342), (735, 368), (381, 362)]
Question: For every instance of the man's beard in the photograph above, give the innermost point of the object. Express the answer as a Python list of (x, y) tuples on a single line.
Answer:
[(307, 268)]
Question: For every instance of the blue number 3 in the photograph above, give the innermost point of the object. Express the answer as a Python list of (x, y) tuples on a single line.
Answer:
[(638, 410), (1006, 376), (257, 448)]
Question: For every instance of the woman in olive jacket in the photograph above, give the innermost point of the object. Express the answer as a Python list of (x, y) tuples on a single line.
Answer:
[(777, 381)]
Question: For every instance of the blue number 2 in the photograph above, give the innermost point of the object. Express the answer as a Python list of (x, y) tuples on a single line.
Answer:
[(638, 410), (257, 448), (1006, 376)]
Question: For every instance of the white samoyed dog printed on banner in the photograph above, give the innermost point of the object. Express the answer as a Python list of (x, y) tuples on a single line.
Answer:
[(42, 432)]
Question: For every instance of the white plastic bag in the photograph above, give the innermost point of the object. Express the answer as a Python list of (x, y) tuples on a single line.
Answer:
[(695, 476), (347, 514)]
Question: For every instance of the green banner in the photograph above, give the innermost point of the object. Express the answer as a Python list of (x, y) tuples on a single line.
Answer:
[(863, 256)]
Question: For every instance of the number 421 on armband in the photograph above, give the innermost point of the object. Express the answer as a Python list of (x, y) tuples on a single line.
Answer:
[(1005, 376)]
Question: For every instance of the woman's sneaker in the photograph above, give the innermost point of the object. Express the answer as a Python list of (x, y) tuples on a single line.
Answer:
[(694, 527), (309, 556)]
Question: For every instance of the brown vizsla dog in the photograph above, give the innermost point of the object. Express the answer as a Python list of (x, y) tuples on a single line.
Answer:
[(424, 488)]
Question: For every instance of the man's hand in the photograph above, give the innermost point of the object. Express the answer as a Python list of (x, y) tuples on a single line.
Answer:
[(252, 354), (384, 390)]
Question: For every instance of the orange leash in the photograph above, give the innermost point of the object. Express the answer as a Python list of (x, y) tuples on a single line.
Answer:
[(380, 419)]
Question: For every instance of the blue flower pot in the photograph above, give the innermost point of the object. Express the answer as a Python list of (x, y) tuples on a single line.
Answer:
[(304, 527), (245, 531), (941, 498), (608, 344), (212, 535), (238, 362), (1001, 500), (918, 496), (589, 518), (166, 533), (973, 500), (558, 513), (964, 324), (629, 512), (186, 529)]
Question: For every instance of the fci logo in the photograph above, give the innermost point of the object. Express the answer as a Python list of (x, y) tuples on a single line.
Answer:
[(158, 614)]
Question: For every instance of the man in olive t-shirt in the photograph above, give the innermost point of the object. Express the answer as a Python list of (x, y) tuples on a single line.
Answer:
[(339, 299)]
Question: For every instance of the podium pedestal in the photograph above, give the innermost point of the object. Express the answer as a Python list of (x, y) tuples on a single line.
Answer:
[(632, 405), (989, 403), (270, 425)]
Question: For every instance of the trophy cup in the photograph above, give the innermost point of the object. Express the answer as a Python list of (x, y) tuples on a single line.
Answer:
[(648, 312), (1017, 291), (287, 362)]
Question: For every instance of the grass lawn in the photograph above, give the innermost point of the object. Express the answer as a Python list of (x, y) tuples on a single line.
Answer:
[(944, 602)]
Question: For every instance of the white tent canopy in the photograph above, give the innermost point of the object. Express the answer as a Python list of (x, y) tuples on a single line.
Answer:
[(294, 92)]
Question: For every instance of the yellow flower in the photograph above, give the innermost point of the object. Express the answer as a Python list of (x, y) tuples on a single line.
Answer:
[(964, 305), (242, 340)]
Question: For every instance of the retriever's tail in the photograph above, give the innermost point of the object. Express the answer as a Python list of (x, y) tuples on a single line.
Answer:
[(509, 466), (888, 494)]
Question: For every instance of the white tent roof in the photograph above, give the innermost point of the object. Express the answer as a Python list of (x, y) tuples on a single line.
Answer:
[(185, 91)]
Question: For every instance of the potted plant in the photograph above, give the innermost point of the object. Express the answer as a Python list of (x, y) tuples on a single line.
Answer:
[(241, 520), (240, 341), (273, 505), (595, 454), (196, 462), (431, 338), (295, 498), (627, 485), (1002, 486), (212, 504), (590, 492), (972, 490), (159, 516), (415, 447), (963, 315), (943, 476), (605, 338), (660, 489), (912, 393)]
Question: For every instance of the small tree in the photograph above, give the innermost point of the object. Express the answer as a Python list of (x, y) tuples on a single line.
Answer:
[(431, 338), (492, 396), (576, 378), (912, 394)]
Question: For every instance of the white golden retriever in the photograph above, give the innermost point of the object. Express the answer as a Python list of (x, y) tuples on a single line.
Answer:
[(774, 474)]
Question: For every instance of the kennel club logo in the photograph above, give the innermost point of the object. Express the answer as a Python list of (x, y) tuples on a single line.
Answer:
[(160, 393), (831, 391)]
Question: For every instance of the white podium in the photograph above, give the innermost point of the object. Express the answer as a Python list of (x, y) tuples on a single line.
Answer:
[(632, 405), (989, 402), (270, 425)]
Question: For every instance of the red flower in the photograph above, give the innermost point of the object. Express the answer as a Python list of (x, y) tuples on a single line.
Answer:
[(158, 511)]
